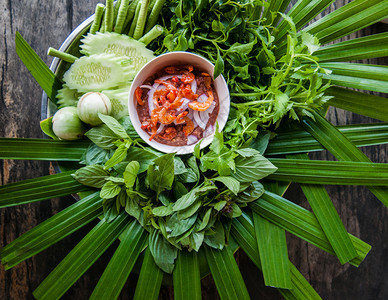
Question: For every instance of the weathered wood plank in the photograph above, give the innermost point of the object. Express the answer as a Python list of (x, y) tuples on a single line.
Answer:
[(47, 24)]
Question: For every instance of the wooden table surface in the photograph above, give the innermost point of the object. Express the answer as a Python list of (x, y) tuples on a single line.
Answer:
[(47, 23)]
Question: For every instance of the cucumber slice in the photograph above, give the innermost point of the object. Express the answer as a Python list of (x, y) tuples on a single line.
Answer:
[(119, 100), (119, 45), (67, 97), (99, 72)]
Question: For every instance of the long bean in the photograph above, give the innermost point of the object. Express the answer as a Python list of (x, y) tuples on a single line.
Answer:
[(109, 16), (130, 14), (97, 18), (138, 33), (153, 18), (156, 31), (121, 16), (135, 18), (62, 55), (116, 10)]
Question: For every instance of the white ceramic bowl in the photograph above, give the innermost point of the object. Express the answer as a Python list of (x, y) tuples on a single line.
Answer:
[(173, 59)]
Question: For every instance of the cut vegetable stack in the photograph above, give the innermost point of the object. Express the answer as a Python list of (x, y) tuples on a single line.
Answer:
[(183, 217)]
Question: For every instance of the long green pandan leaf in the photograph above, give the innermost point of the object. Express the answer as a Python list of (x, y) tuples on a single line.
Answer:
[(301, 13), (52, 230), (302, 223), (272, 245), (226, 274), (359, 76), (186, 276), (42, 149), (341, 148), (330, 172), (42, 74), (150, 279), (360, 103), (275, 6), (301, 141), (244, 234), (371, 46), (329, 219), (120, 266), (87, 251), (38, 189), (347, 19)]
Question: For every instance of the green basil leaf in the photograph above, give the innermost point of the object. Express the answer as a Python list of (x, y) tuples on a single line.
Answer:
[(102, 136), (176, 227), (231, 183), (162, 251), (126, 123), (130, 174), (189, 211), (253, 192), (93, 176), (160, 175), (95, 155), (220, 205), (143, 156), (117, 157), (186, 200), (216, 240), (205, 220), (110, 190), (162, 211), (260, 143), (252, 168), (179, 166), (196, 240), (132, 207), (114, 125), (110, 210)]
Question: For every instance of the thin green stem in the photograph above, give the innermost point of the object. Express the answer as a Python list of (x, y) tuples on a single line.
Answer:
[(61, 55)]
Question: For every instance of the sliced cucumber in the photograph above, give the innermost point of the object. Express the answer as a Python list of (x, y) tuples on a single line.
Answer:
[(67, 97), (99, 72), (119, 100), (119, 45)]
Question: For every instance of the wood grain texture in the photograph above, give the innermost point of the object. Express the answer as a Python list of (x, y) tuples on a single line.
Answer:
[(47, 23)]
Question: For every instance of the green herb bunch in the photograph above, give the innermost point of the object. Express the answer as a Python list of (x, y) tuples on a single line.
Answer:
[(267, 82), (182, 201)]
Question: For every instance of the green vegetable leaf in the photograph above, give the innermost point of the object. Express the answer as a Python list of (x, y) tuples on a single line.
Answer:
[(114, 125), (93, 176), (253, 167), (118, 156), (160, 175), (109, 190), (102, 136), (231, 183), (162, 251), (130, 174), (47, 127)]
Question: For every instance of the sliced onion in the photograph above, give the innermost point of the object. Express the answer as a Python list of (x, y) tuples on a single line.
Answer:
[(160, 129), (204, 116), (194, 86), (156, 85), (199, 121), (146, 86), (191, 139), (208, 131), (165, 77), (190, 115), (211, 108), (151, 101)]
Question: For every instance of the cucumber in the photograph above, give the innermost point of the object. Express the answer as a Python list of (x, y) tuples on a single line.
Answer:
[(119, 45), (119, 100), (67, 97), (99, 72)]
